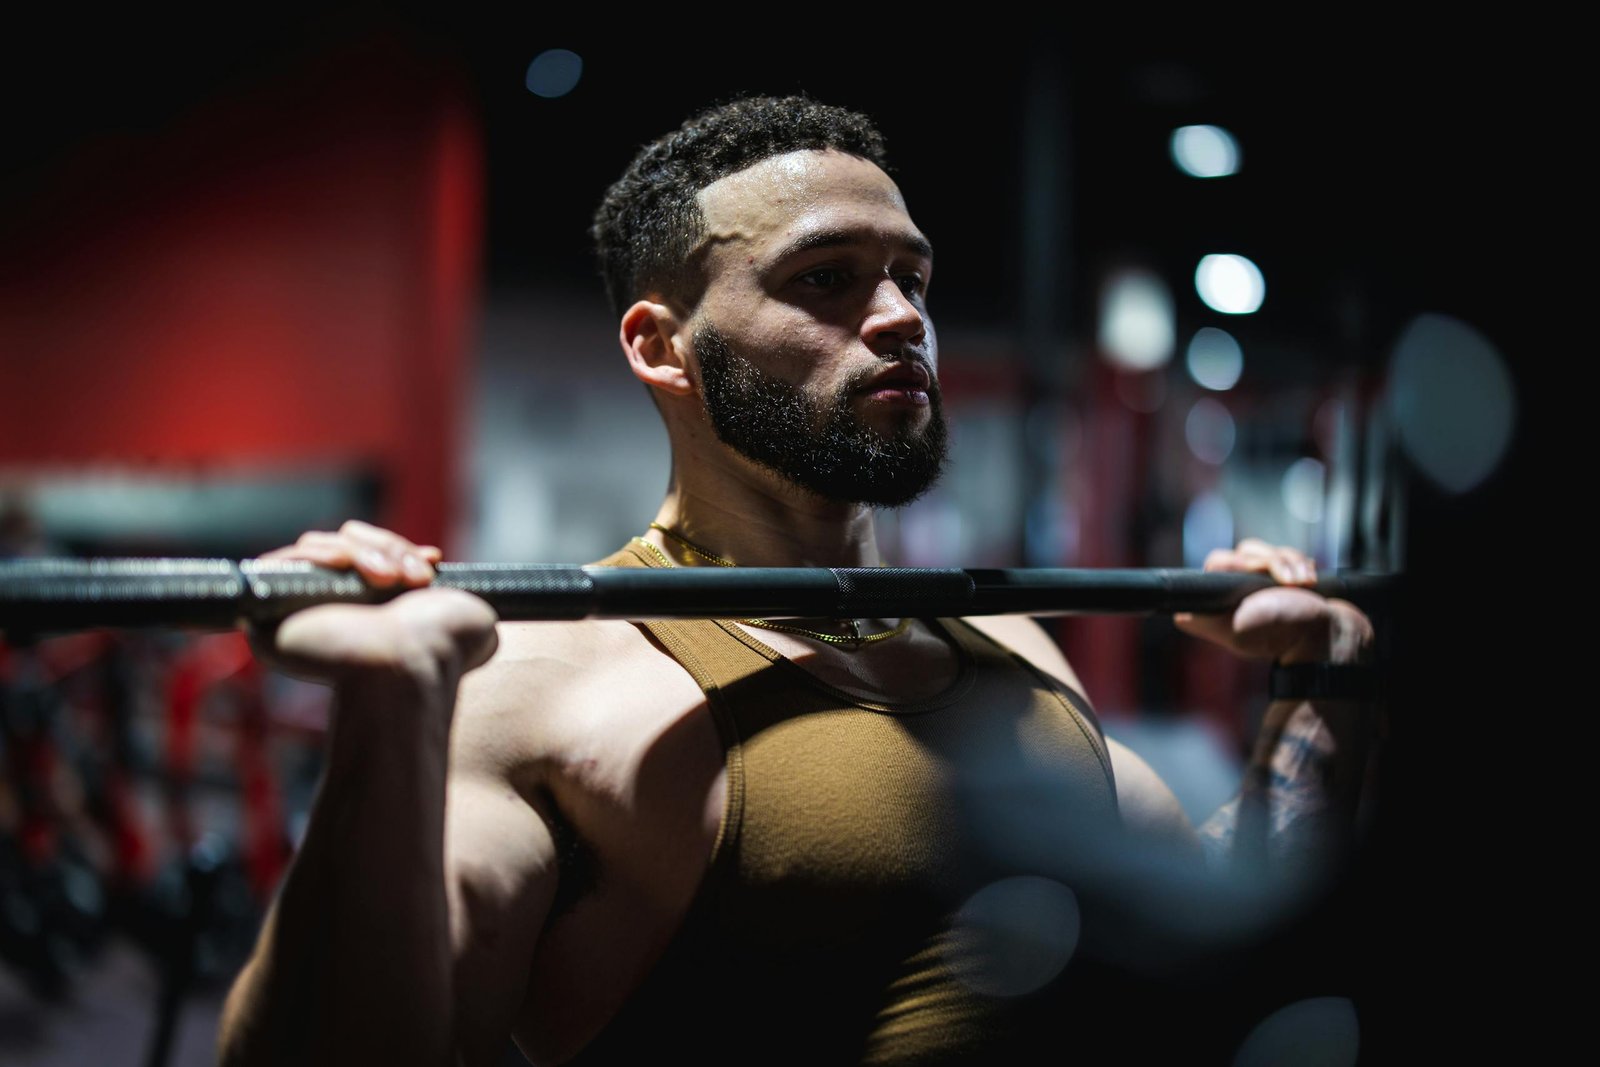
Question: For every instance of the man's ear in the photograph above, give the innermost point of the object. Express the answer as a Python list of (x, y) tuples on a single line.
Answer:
[(656, 342)]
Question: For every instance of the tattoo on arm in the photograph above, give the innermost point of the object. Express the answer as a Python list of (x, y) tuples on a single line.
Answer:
[(1287, 809)]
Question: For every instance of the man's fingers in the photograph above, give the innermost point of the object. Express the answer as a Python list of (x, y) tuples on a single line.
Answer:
[(342, 553), (374, 537), (318, 543), (381, 557), (316, 546), (387, 555), (1265, 624), (1287, 566)]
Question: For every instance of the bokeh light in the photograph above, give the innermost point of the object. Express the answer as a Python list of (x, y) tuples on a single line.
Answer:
[(1136, 321), (554, 72), (1318, 1032), (1205, 151), (1215, 359), (1230, 284), (1015, 935), (1453, 401), (1207, 524), (1304, 486)]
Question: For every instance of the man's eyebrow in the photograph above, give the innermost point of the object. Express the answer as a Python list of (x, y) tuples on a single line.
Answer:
[(914, 243)]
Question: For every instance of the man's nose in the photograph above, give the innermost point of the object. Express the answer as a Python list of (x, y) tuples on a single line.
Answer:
[(892, 319)]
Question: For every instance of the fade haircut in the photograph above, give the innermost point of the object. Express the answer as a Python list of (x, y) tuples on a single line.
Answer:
[(648, 228)]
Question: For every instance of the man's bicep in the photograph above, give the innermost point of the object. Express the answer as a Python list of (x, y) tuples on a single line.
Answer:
[(1147, 804), (500, 874)]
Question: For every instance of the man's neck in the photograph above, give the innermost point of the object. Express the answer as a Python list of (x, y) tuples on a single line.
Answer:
[(750, 519)]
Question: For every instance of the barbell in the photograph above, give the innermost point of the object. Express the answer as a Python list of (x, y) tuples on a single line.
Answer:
[(56, 595)]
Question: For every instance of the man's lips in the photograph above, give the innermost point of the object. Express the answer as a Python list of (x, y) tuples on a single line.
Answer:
[(912, 378)]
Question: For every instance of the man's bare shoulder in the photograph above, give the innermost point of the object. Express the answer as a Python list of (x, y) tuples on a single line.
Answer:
[(553, 687), (1027, 639), (561, 648)]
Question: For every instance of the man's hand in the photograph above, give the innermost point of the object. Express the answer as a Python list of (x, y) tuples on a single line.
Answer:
[(1309, 761), (355, 962), (1289, 624), (381, 557), (418, 631)]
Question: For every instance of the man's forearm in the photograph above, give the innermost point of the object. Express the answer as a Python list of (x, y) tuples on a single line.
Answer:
[(1302, 787), (353, 964)]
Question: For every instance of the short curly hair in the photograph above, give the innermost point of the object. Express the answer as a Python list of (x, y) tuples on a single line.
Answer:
[(647, 229)]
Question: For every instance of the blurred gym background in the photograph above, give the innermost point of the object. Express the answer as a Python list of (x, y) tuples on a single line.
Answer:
[(262, 280)]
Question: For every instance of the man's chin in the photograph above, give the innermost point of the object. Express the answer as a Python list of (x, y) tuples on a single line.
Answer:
[(896, 421), (882, 486)]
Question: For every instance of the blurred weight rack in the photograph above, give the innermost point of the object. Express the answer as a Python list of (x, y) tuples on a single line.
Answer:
[(152, 789)]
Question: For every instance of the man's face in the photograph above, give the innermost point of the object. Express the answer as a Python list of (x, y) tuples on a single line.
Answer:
[(824, 447), (817, 358)]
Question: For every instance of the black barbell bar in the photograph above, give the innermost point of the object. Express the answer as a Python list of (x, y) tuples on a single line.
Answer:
[(57, 595)]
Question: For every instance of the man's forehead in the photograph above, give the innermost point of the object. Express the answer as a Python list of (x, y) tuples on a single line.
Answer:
[(781, 195)]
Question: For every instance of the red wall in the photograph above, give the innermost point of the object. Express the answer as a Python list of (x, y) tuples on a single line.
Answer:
[(285, 275)]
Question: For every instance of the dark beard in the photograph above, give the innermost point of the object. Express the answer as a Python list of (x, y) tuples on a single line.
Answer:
[(825, 450)]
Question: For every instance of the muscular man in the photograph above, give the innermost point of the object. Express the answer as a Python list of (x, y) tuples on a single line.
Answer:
[(736, 840)]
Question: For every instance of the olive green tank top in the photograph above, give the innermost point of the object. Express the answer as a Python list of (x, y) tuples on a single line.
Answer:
[(892, 880)]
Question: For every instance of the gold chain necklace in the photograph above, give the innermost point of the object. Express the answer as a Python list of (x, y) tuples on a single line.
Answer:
[(853, 640)]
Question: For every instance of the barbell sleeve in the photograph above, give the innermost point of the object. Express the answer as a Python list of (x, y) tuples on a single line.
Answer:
[(56, 595)]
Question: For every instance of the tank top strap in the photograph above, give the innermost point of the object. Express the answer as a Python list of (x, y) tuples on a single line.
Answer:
[(715, 657), (983, 646)]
